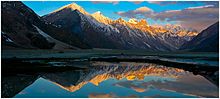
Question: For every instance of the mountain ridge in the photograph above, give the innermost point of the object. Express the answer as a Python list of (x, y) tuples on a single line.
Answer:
[(138, 35), (206, 41), (75, 27)]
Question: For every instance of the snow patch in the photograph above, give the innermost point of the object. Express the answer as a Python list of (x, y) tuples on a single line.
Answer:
[(147, 44), (7, 38), (48, 37), (58, 45)]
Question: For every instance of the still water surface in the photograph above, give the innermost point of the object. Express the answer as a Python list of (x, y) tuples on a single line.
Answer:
[(115, 80)]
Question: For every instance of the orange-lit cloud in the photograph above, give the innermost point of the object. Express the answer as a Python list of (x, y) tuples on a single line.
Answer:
[(102, 95), (133, 13), (109, 95), (198, 17), (137, 2)]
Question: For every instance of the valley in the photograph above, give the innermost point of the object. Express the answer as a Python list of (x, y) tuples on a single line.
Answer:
[(77, 51)]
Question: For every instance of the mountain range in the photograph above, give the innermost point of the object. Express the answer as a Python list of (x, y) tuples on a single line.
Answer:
[(71, 27)]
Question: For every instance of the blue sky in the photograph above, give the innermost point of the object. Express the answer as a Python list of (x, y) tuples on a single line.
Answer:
[(109, 9)]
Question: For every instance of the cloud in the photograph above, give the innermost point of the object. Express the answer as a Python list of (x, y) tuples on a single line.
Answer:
[(198, 17), (206, 6), (138, 89), (193, 17), (116, 2), (143, 10), (163, 2), (214, 3), (109, 95), (186, 83), (113, 2), (134, 13), (155, 2), (137, 2), (102, 95)]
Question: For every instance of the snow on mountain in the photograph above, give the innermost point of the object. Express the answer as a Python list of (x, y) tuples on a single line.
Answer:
[(25, 35), (100, 31), (16, 24), (58, 44), (72, 6), (133, 21), (101, 18), (88, 29), (6, 38)]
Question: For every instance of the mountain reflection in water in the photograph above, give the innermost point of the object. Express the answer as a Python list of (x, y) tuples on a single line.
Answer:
[(121, 80)]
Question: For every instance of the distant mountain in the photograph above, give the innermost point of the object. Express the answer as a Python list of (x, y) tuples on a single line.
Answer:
[(23, 28), (99, 31), (206, 41), (141, 35)]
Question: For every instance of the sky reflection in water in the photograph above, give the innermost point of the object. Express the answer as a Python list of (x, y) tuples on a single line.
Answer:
[(121, 80)]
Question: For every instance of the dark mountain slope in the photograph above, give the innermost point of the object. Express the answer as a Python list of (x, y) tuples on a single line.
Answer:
[(75, 19), (23, 26), (17, 22), (206, 41)]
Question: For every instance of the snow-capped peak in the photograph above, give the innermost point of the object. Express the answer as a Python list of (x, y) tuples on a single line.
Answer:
[(72, 6), (133, 21), (142, 22), (133, 32), (100, 17), (120, 20), (98, 12)]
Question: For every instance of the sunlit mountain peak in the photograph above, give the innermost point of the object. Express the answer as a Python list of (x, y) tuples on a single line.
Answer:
[(98, 12), (142, 22), (101, 18), (133, 21), (120, 21), (166, 38), (72, 6)]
